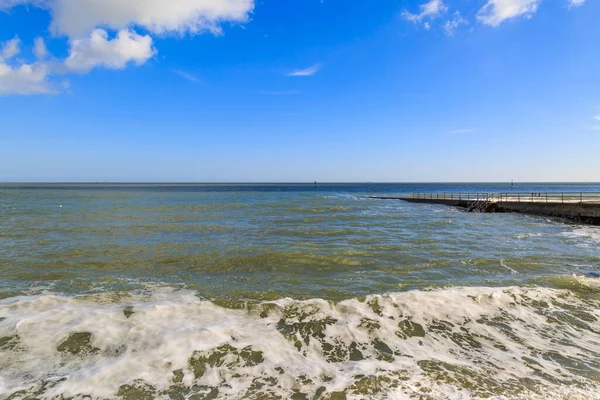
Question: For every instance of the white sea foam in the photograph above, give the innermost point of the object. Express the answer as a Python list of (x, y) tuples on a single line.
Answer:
[(586, 235), (504, 265), (451, 344), (591, 282), (525, 236)]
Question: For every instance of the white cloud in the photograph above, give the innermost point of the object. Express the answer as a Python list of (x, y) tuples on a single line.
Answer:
[(86, 22), (431, 9), (99, 50), (187, 75), (18, 77), (597, 117), (77, 18), (576, 3), (497, 11), (24, 79), (310, 71), (451, 25), (39, 48), (13, 3), (11, 48)]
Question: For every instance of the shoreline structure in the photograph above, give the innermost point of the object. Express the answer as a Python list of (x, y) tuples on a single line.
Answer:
[(582, 207)]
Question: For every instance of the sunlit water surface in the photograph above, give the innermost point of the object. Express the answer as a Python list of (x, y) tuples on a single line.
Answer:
[(281, 291)]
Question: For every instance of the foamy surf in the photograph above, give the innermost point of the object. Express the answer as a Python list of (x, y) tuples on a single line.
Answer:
[(585, 236), (444, 344)]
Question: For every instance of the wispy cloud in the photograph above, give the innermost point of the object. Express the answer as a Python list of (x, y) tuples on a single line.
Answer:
[(11, 48), (461, 131), (187, 75), (310, 71), (279, 92), (576, 3), (431, 9), (597, 117), (451, 25), (496, 11)]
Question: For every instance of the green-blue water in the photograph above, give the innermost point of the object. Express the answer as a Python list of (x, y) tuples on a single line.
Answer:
[(211, 291)]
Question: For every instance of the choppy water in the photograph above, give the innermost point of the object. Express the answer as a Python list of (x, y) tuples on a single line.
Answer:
[(279, 292)]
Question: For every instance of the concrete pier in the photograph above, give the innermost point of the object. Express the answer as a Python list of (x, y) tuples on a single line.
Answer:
[(583, 208)]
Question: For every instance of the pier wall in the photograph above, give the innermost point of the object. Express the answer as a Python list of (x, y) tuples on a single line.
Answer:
[(587, 213)]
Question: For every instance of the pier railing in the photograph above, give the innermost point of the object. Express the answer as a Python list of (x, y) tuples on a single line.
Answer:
[(551, 197), (451, 196), (530, 197)]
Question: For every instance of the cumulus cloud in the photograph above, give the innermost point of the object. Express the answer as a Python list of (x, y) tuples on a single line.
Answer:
[(310, 71), (12, 3), (576, 3), (18, 77), (431, 9), (86, 23), (494, 12), (11, 48), (23, 79), (77, 18), (98, 50), (39, 48)]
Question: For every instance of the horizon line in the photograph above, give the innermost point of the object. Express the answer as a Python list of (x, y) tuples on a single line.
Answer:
[(281, 182)]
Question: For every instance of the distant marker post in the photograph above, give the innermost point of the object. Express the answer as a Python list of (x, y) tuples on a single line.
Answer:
[(315, 186)]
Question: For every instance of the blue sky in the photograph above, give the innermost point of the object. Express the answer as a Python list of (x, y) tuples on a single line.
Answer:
[(299, 90)]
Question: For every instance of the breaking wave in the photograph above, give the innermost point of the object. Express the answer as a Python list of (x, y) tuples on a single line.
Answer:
[(455, 343)]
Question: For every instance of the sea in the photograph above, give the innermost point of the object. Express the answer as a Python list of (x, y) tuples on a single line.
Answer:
[(292, 291)]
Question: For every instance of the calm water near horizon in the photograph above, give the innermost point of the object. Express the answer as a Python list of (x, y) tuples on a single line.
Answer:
[(278, 291)]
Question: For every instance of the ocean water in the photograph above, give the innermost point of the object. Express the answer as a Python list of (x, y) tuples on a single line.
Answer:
[(284, 292)]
